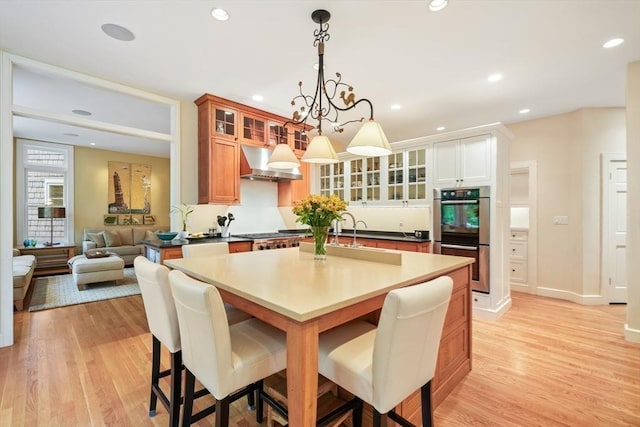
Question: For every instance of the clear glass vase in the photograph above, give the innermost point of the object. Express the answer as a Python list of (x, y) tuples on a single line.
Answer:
[(320, 234)]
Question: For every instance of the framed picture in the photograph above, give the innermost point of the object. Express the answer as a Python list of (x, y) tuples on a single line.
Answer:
[(149, 219), (110, 220), (137, 219), (124, 219)]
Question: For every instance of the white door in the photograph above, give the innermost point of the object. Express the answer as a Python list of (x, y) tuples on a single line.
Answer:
[(615, 229)]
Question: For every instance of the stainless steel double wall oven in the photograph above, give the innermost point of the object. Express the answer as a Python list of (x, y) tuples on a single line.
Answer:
[(461, 227)]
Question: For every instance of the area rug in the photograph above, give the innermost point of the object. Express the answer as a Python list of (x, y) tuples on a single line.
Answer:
[(59, 291)]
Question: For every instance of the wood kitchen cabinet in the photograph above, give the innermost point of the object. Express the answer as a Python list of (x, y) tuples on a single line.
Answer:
[(222, 126), (463, 162), (235, 247), (290, 191), (253, 129)]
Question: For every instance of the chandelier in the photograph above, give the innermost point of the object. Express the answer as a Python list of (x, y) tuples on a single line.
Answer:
[(331, 97)]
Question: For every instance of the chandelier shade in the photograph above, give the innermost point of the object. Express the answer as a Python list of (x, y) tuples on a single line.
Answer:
[(370, 141), (283, 158), (320, 151)]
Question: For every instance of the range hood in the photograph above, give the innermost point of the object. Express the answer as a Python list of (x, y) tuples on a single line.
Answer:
[(253, 165)]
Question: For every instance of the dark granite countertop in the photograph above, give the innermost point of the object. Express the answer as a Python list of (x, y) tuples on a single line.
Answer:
[(181, 242), (368, 234)]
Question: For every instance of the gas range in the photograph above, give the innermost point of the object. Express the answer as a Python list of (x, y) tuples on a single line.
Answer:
[(276, 240)]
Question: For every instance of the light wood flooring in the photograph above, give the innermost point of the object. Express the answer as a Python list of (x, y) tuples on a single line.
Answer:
[(545, 363)]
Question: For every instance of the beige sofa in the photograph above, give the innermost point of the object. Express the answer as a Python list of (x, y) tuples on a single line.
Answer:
[(23, 267), (123, 241)]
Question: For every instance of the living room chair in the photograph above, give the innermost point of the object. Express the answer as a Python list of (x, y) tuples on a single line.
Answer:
[(229, 360), (161, 315), (205, 249), (383, 365)]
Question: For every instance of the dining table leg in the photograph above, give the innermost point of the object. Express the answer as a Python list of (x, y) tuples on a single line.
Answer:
[(302, 373)]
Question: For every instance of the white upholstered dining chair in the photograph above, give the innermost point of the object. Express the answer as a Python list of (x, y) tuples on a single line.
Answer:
[(229, 361), (383, 365), (159, 307), (204, 249)]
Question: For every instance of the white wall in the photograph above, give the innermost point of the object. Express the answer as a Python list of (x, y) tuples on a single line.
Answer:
[(567, 149), (632, 328)]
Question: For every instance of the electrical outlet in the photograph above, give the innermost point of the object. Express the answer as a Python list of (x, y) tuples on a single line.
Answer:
[(561, 220), (401, 223)]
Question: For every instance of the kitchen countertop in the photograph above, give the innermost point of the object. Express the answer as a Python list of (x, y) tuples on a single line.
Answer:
[(182, 242), (306, 288), (366, 234)]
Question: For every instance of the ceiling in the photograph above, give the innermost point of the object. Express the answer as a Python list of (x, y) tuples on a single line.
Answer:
[(434, 65)]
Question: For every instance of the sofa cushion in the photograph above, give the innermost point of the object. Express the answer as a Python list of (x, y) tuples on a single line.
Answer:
[(126, 236), (27, 260), (97, 238), (151, 236), (111, 239), (21, 275)]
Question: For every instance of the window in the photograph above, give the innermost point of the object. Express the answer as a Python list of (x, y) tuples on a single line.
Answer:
[(44, 179)]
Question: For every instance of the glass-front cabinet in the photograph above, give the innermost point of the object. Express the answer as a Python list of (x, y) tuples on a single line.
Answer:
[(397, 179), (225, 122), (254, 130), (277, 134)]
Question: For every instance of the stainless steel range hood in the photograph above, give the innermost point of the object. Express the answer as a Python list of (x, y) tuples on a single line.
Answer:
[(253, 165)]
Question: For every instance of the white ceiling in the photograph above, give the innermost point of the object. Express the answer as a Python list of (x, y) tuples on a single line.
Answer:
[(435, 65)]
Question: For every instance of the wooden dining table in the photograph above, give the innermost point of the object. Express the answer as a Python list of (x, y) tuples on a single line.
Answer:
[(292, 291)]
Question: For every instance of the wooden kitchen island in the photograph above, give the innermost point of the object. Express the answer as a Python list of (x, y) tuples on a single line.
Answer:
[(290, 290)]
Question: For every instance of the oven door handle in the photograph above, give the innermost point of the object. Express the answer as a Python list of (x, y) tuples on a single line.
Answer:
[(459, 202), (466, 248)]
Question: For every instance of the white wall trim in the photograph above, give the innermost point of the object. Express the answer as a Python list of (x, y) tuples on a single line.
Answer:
[(492, 313), (6, 202), (7, 111), (531, 167), (630, 334), (571, 296)]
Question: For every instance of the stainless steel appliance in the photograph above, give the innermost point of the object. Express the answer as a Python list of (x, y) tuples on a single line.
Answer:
[(265, 241), (461, 227)]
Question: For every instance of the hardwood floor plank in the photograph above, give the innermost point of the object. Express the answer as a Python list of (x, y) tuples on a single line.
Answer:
[(546, 362)]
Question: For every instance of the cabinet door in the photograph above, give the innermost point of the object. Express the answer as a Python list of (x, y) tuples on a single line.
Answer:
[(277, 134), (416, 174), (290, 191), (445, 166), (235, 247), (224, 178), (300, 142), (254, 130), (475, 160), (224, 122), (395, 176)]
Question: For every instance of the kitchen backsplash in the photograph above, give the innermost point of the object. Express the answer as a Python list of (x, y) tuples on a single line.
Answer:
[(259, 212)]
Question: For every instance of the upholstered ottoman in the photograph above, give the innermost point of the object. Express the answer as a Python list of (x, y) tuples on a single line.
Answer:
[(93, 270)]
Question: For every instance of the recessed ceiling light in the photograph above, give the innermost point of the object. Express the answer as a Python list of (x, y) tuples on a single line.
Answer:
[(396, 107), (219, 14), (613, 43), (257, 98), (81, 112), (494, 77), (92, 143), (118, 32), (440, 128), (524, 111), (436, 5), (70, 134)]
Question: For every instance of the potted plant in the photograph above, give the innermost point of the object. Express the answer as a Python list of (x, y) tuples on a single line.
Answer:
[(185, 210), (317, 212)]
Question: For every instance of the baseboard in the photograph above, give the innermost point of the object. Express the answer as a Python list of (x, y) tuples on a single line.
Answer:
[(631, 334), (571, 296), (492, 313)]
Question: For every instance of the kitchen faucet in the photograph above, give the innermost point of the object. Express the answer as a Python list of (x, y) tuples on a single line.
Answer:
[(355, 227), (354, 224)]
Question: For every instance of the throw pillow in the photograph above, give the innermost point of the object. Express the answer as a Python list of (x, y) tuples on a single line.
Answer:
[(97, 238), (126, 236), (111, 239), (150, 236)]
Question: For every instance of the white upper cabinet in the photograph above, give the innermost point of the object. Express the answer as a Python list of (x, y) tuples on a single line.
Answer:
[(406, 177), (462, 162)]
